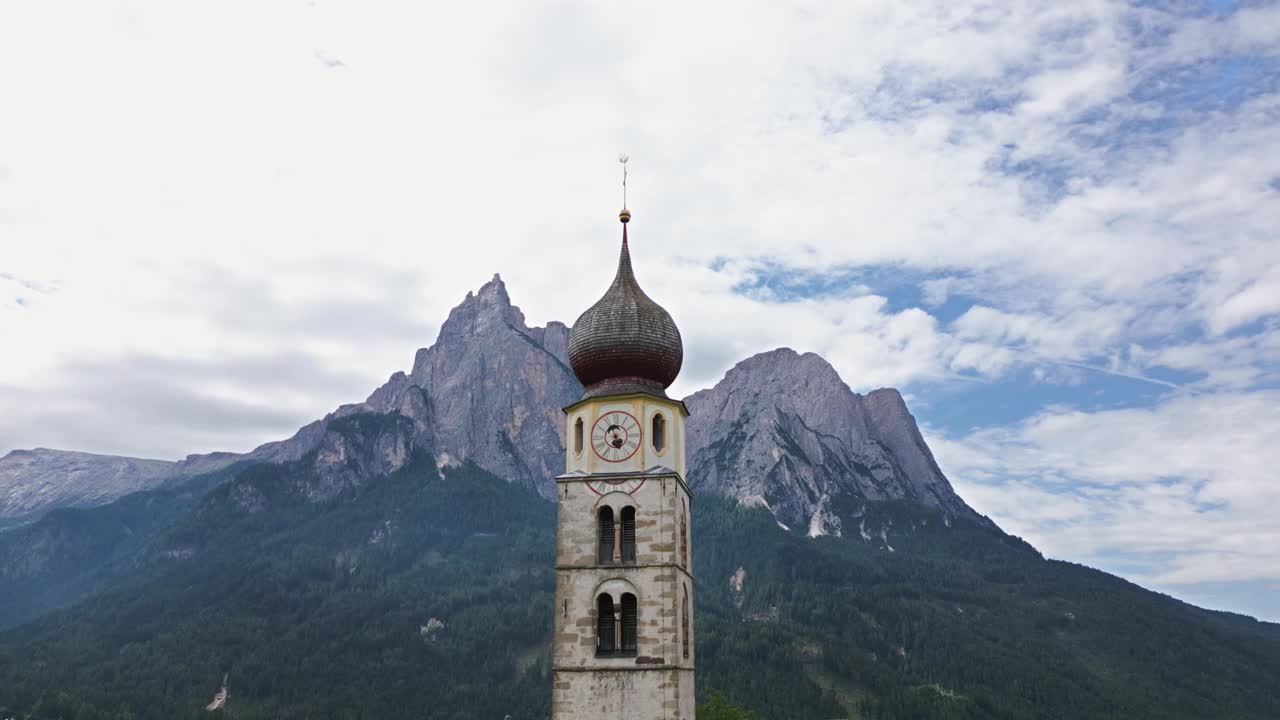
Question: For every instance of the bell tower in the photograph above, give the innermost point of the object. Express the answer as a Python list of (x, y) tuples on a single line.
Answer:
[(623, 647)]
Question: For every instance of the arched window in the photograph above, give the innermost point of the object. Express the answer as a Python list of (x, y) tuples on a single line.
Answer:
[(605, 638), (684, 535), (684, 622), (629, 624), (628, 534), (577, 436), (659, 432), (606, 535)]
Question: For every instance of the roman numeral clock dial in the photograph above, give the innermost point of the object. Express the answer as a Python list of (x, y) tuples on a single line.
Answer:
[(615, 436)]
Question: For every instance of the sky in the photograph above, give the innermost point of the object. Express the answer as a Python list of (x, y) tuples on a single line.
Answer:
[(1052, 225)]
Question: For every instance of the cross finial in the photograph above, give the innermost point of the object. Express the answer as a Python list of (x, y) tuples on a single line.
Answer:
[(625, 215)]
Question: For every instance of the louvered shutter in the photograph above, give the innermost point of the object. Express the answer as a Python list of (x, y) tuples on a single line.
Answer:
[(628, 534), (629, 623), (606, 535), (604, 625)]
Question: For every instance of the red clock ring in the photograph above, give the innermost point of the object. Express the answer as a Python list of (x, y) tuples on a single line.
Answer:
[(591, 485), (639, 436)]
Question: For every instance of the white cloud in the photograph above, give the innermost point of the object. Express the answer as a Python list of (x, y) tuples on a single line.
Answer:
[(141, 141), (449, 148), (1185, 489), (1068, 336), (1259, 297), (184, 188)]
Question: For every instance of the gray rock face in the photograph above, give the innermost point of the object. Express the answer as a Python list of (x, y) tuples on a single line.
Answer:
[(497, 388), (32, 482), (783, 430), (490, 390), (350, 457), (350, 454)]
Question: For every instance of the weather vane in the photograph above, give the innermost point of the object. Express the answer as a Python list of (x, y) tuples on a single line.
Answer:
[(625, 215)]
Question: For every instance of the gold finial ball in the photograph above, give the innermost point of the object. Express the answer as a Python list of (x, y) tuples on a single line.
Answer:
[(625, 215)]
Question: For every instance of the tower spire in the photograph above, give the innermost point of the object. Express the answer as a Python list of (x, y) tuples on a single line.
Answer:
[(625, 343), (625, 215)]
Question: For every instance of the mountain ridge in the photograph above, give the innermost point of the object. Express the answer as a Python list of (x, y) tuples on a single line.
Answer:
[(35, 481), (490, 389)]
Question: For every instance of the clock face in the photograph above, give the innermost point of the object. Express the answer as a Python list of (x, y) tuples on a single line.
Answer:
[(615, 436)]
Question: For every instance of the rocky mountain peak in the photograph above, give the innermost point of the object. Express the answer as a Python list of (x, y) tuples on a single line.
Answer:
[(490, 390), (782, 429), (779, 381), (481, 313), (787, 370)]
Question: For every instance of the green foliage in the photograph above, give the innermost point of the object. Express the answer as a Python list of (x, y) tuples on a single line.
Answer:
[(957, 622), (323, 610), (316, 610), (717, 708), (70, 553)]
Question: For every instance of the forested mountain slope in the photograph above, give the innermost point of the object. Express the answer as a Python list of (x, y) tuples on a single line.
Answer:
[(412, 593), (70, 553)]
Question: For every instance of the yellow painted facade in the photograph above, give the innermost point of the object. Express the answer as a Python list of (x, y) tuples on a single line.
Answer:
[(580, 457)]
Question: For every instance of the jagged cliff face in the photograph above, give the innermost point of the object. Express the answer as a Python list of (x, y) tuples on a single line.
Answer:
[(784, 431), (352, 452), (490, 390)]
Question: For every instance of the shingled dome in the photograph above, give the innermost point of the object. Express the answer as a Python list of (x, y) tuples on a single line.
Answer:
[(625, 343)]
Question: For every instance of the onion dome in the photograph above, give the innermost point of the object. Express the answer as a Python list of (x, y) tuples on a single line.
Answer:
[(626, 342)]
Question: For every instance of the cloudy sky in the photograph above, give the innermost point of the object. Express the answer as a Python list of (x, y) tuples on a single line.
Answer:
[(1052, 225)]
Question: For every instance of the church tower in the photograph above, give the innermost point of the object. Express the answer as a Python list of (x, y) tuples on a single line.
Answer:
[(623, 645)]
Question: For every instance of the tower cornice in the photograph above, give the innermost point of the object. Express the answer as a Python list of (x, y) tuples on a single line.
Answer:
[(625, 396), (666, 474)]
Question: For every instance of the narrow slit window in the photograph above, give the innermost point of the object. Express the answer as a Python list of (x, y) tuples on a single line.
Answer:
[(606, 535), (684, 622), (628, 534), (629, 623), (605, 628), (659, 432), (577, 436), (684, 536)]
